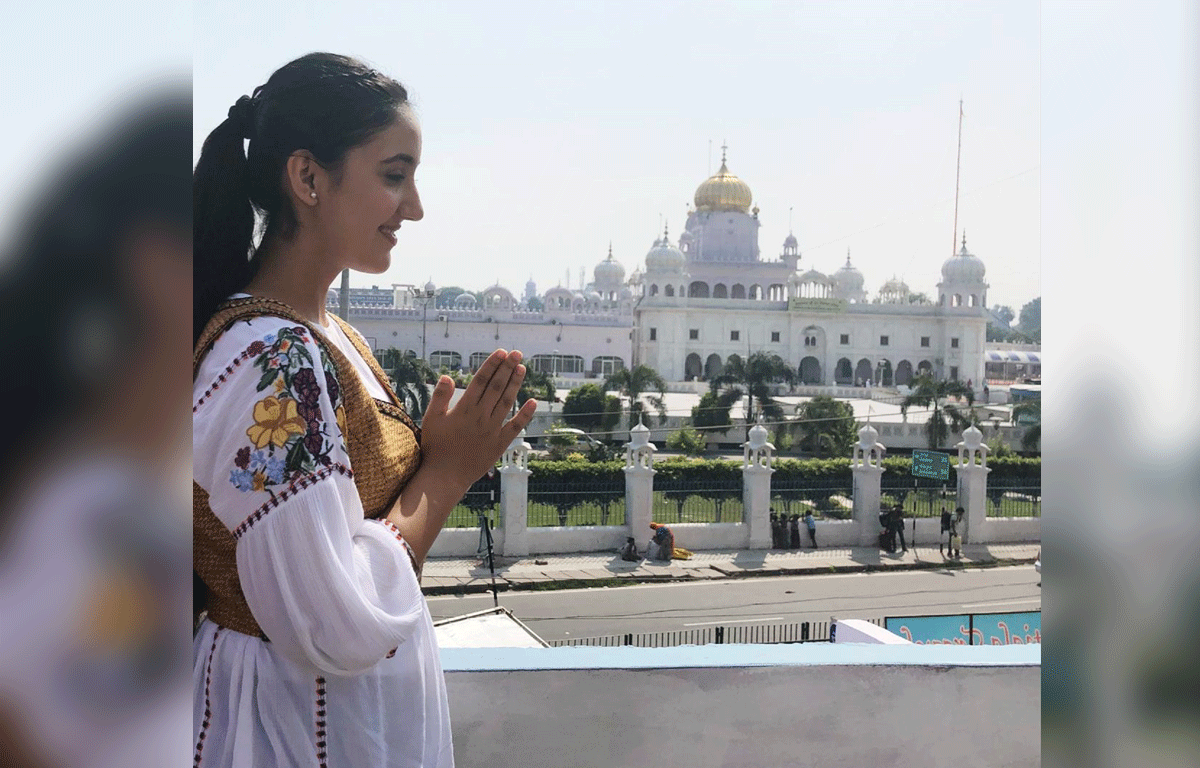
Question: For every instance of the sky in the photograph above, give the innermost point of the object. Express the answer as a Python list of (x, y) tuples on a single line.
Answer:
[(554, 128)]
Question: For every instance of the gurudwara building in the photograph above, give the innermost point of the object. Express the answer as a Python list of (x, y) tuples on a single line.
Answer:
[(699, 301)]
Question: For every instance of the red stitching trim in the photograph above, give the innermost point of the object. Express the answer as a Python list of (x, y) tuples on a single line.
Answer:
[(293, 488), (221, 379), (320, 723), (412, 556), (207, 701)]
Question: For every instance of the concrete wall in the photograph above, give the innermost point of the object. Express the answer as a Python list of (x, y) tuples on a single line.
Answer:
[(815, 704), (1009, 529)]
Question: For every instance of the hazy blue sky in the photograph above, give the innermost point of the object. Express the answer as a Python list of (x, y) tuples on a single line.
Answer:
[(552, 128)]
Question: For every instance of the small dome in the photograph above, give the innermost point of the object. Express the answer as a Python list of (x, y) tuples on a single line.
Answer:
[(758, 437), (430, 287), (867, 437), (894, 291), (973, 438), (848, 277), (813, 276), (723, 192), (964, 267), (626, 293), (608, 273), (790, 241), (664, 257), (464, 300), (593, 296)]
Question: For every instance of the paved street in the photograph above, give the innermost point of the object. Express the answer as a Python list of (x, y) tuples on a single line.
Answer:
[(772, 600)]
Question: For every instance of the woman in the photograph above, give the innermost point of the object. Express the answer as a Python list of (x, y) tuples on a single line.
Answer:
[(316, 498)]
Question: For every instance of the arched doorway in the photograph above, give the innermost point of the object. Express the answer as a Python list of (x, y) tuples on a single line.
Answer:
[(738, 291), (904, 373), (698, 290), (886, 374), (720, 291), (924, 368), (844, 372), (692, 367), (713, 366), (810, 370), (864, 371)]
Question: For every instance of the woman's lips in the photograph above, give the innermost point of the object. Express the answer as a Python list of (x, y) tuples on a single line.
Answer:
[(389, 233)]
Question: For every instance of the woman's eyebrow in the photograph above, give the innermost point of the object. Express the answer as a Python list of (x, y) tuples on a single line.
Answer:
[(400, 156)]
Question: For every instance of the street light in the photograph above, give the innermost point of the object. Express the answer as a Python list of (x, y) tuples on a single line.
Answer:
[(424, 296)]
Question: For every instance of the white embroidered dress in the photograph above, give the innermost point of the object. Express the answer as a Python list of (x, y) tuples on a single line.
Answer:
[(350, 676)]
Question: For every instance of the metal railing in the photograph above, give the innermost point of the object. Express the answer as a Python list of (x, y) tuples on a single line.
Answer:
[(830, 502), (680, 501), (1014, 499), (576, 504), (799, 632)]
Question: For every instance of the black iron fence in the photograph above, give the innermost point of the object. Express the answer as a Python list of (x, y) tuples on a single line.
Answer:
[(691, 501), (482, 498), (576, 504), (1014, 497), (832, 502), (800, 632)]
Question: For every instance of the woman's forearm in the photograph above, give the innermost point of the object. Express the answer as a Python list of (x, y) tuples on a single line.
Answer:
[(423, 507)]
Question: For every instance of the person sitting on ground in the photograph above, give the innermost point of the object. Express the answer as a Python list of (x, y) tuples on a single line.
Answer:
[(662, 546), (630, 552)]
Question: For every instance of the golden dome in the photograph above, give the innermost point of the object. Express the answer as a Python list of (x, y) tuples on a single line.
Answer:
[(723, 192)]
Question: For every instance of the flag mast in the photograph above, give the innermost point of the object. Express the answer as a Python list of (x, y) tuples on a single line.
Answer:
[(957, 176)]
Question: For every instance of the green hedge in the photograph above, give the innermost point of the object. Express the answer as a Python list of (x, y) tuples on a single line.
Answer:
[(824, 472)]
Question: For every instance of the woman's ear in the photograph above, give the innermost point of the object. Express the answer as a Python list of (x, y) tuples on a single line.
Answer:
[(305, 178)]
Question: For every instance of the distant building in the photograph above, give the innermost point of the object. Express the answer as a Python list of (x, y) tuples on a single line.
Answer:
[(699, 302)]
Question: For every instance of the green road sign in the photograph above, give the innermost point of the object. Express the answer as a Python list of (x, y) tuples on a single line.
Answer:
[(931, 464)]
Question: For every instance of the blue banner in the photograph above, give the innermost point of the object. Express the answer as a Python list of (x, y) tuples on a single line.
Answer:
[(932, 630), (969, 629), (1007, 628)]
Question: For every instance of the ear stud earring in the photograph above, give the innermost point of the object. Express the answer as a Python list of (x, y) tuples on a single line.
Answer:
[(312, 195)]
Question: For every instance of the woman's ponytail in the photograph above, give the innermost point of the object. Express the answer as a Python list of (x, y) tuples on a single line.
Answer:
[(223, 216)]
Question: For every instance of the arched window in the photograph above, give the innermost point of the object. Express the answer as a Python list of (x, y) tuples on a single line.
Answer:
[(607, 364), (670, 290), (738, 291), (698, 290), (957, 300), (756, 292), (451, 361), (653, 289), (971, 300), (720, 291), (477, 359)]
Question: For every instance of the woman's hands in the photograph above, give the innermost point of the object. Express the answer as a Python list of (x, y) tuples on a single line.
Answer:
[(461, 443)]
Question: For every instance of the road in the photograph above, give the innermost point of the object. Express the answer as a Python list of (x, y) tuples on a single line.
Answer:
[(642, 608)]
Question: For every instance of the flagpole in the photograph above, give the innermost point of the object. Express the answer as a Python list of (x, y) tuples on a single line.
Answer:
[(957, 176)]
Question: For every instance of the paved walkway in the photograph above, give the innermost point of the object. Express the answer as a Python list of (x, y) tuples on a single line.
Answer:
[(444, 576)]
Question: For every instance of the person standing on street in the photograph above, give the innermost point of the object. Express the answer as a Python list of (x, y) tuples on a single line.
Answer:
[(898, 525), (945, 530), (811, 524), (956, 533)]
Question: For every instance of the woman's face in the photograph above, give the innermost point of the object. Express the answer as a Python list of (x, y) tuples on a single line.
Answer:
[(360, 215)]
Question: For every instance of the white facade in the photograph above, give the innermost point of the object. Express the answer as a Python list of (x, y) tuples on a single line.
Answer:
[(704, 299)]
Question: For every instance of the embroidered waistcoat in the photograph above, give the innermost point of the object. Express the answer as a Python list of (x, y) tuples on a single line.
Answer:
[(383, 442)]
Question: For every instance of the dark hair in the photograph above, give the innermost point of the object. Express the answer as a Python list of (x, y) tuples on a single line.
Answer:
[(323, 103)]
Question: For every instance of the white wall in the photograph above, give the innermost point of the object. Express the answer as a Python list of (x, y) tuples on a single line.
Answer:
[(678, 711)]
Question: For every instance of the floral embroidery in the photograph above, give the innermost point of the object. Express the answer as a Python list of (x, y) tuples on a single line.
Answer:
[(289, 429), (275, 422)]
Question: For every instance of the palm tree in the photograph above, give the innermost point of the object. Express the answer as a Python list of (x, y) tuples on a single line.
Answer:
[(1033, 410), (755, 377), (410, 378), (826, 426), (635, 383), (537, 385), (944, 416)]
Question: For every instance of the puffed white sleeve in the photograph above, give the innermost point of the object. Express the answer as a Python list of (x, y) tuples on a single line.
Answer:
[(329, 589)]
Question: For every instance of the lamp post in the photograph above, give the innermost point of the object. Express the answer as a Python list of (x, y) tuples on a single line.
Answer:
[(424, 296)]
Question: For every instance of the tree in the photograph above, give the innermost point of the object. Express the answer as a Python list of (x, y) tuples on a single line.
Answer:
[(411, 377), (930, 393), (445, 296), (1030, 322), (633, 383), (826, 426), (1030, 409), (536, 304), (687, 441), (712, 413), (537, 385), (755, 377), (590, 409), (1004, 314)]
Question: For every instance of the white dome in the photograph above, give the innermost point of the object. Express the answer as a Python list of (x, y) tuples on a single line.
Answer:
[(429, 287), (593, 296), (813, 276), (790, 241), (848, 277), (894, 291), (664, 257), (626, 293), (608, 273), (464, 300), (964, 267)]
